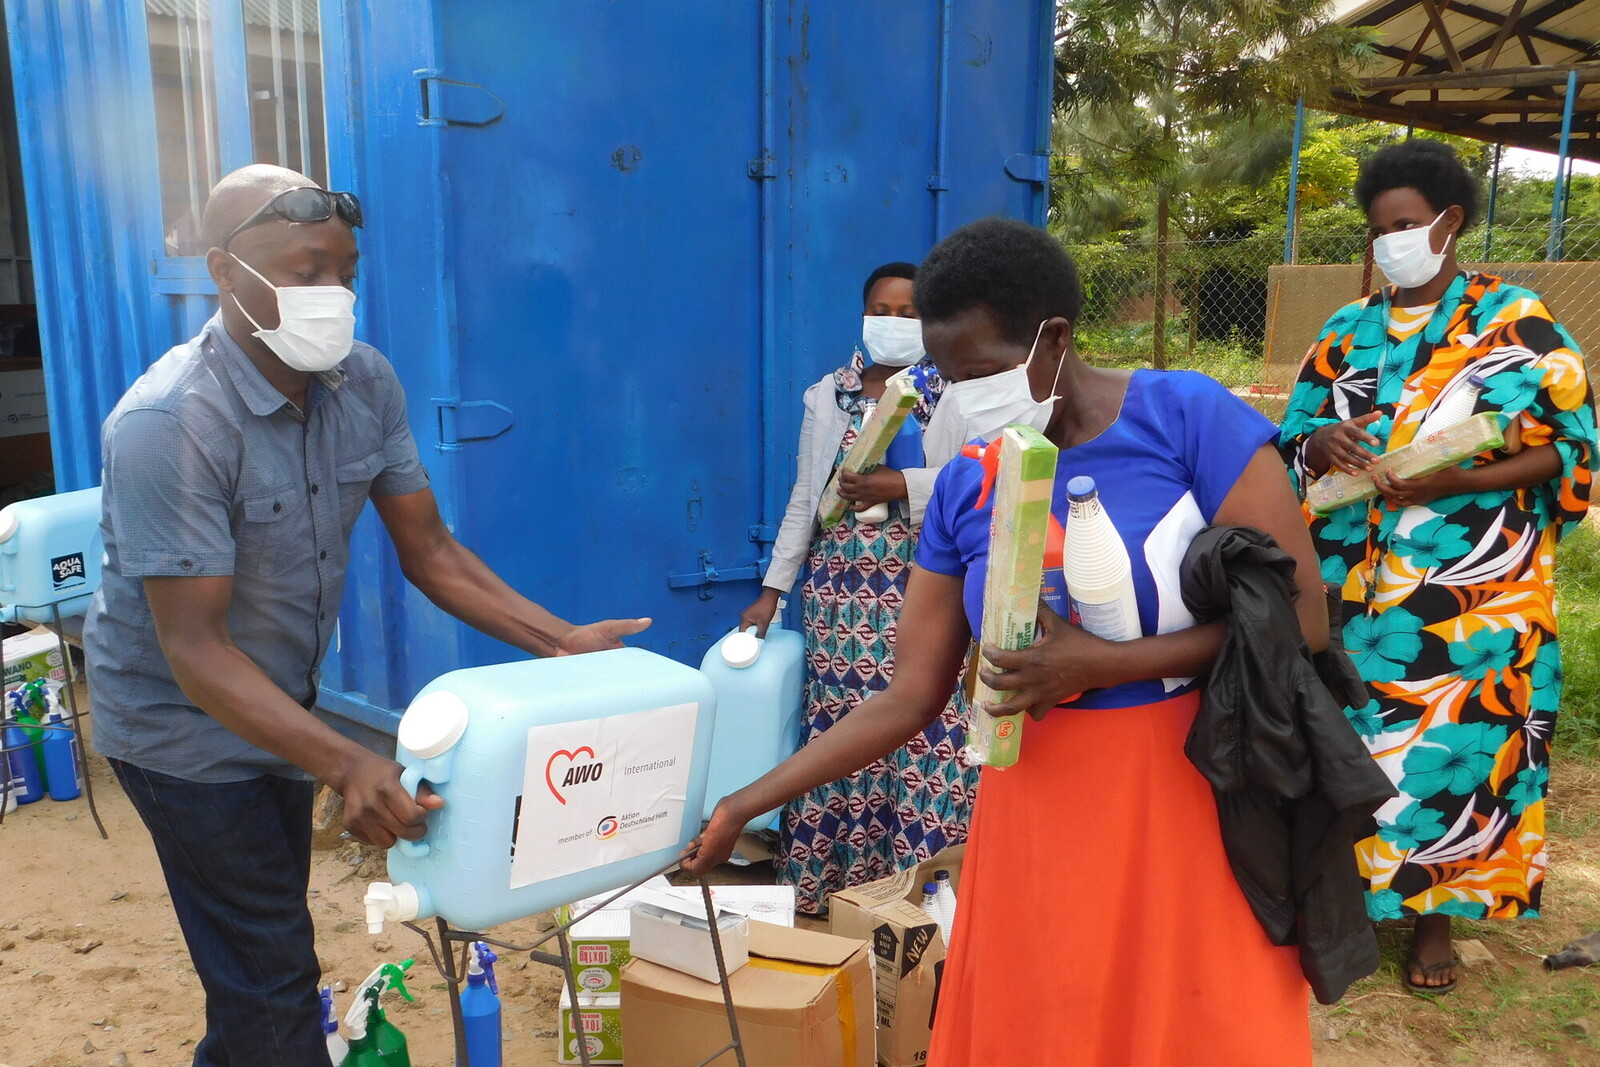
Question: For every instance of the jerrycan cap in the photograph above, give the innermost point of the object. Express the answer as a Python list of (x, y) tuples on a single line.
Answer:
[(741, 648), (432, 724), (8, 524)]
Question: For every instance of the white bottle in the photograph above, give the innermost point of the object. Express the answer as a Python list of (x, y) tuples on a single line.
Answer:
[(1096, 567), (930, 902), (946, 897), (1457, 407)]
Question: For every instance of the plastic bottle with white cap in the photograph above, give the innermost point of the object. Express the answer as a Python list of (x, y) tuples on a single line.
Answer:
[(1096, 567)]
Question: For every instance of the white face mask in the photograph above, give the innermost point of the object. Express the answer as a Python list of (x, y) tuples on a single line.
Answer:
[(1407, 258), (892, 341), (989, 405), (316, 324)]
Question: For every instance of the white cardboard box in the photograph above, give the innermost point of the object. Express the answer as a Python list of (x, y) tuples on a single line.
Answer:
[(674, 933), (768, 903)]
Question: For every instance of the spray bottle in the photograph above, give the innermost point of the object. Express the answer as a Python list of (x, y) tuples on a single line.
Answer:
[(22, 769), (374, 1040), (337, 1049), (58, 753), (480, 1009)]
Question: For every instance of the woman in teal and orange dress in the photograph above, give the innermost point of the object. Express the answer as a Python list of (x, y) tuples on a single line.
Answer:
[(1446, 581)]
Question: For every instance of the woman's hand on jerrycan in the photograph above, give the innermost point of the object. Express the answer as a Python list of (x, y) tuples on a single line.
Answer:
[(715, 843), (760, 613)]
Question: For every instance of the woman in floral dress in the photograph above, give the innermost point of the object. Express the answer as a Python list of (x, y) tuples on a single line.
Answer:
[(1446, 580), (916, 801)]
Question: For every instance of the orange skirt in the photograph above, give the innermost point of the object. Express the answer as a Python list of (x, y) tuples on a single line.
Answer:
[(1098, 922)]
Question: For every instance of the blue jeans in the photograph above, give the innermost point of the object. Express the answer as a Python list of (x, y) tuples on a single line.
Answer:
[(237, 859)]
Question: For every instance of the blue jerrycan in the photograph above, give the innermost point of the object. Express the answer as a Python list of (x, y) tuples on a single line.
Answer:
[(562, 778), (760, 687)]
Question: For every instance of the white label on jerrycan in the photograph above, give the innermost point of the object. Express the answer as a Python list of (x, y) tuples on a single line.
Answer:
[(602, 790)]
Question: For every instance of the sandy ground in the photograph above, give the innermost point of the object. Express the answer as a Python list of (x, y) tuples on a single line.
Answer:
[(93, 971)]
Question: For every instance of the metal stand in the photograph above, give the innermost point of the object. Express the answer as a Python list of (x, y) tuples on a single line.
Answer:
[(446, 965), (72, 717)]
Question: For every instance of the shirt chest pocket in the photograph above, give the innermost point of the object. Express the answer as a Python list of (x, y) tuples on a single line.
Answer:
[(272, 535), (355, 479)]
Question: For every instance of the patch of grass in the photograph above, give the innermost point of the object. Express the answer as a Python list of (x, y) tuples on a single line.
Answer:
[(1234, 363), (1578, 602)]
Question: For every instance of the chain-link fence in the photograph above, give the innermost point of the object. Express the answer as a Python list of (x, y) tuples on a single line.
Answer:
[(1208, 305)]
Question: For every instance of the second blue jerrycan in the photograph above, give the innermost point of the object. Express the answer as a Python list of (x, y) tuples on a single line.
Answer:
[(760, 685)]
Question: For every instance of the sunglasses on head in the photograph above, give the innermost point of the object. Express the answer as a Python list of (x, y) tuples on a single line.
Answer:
[(306, 204)]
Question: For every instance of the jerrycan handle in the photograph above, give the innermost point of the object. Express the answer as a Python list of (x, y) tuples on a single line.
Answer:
[(410, 779)]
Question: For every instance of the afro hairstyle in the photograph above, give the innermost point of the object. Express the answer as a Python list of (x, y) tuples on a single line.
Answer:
[(1430, 167), (1019, 272)]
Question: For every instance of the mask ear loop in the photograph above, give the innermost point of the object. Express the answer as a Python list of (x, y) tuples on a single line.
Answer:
[(264, 282), (1054, 396)]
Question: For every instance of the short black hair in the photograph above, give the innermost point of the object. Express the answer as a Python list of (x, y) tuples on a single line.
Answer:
[(1019, 272), (898, 269), (1430, 167)]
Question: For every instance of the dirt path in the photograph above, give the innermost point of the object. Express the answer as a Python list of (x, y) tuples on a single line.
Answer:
[(94, 973)]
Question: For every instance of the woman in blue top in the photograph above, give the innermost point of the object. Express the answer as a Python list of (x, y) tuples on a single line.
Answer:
[(1095, 883)]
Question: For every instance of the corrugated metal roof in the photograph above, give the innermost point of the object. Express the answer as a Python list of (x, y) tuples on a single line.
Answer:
[(282, 14), (1492, 69)]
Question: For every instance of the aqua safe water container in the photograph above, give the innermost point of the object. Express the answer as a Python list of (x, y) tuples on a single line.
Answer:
[(50, 555), (760, 685), (562, 778)]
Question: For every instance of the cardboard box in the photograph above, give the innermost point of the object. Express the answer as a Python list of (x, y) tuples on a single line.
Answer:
[(599, 1018), (22, 403), (565, 912), (32, 655), (804, 1000), (674, 932), (907, 950), (765, 903), (600, 949)]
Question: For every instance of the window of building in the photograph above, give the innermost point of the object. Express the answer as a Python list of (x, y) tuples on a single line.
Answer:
[(235, 82)]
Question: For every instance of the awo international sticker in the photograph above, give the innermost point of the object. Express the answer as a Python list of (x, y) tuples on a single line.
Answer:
[(602, 790)]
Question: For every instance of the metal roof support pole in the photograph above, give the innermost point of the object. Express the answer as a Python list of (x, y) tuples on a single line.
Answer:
[(1292, 221), (1555, 246), (1494, 195)]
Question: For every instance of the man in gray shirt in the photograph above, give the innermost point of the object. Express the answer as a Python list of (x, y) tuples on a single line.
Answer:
[(234, 470)]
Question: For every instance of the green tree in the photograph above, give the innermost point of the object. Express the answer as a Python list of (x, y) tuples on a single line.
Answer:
[(1183, 95)]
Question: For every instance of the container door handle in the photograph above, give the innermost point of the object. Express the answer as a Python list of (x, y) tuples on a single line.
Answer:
[(710, 575)]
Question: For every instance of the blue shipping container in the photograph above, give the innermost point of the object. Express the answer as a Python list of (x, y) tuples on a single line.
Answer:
[(608, 245)]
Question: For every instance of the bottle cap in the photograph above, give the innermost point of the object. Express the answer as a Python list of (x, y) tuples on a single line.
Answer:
[(432, 724), (1081, 488), (930, 887), (740, 649), (8, 524), (941, 876), (1472, 379)]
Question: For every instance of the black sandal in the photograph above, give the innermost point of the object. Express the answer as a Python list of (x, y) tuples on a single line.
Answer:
[(1429, 970)]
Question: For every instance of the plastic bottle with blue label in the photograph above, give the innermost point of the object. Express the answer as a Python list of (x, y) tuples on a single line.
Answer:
[(480, 1009), (760, 684), (21, 762), (1096, 567), (562, 778), (58, 751)]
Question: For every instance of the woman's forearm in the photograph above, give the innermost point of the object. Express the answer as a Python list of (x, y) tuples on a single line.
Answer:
[(1530, 467)]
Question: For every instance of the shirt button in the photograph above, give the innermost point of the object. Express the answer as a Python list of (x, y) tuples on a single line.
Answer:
[(277, 505), (321, 615), (315, 489), (323, 555), (186, 564)]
